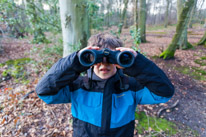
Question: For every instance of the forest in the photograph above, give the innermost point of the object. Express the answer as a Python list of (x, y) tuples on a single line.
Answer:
[(36, 34)]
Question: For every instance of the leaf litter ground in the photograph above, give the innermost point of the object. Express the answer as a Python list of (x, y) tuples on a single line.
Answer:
[(31, 117)]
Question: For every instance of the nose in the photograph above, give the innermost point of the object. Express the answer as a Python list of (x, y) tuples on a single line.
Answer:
[(104, 60)]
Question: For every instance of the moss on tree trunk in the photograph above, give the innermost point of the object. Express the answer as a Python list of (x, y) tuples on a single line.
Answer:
[(169, 52), (183, 41), (203, 40)]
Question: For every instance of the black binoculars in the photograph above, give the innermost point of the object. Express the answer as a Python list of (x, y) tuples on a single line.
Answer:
[(89, 57)]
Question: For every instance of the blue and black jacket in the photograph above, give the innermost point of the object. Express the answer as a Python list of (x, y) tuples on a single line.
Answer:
[(104, 107)]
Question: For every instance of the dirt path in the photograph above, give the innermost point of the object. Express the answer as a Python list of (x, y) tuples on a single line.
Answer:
[(191, 110)]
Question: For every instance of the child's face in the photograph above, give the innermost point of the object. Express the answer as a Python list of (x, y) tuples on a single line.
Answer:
[(104, 70)]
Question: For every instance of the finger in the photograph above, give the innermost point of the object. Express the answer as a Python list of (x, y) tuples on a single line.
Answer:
[(118, 66), (96, 48), (127, 49)]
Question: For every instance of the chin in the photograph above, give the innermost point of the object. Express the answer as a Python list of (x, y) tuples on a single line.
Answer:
[(106, 76)]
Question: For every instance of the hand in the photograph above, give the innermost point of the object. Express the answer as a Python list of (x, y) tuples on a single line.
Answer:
[(125, 49), (89, 47)]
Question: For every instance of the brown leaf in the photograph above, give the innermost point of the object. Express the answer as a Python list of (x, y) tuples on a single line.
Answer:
[(16, 120), (3, 121)]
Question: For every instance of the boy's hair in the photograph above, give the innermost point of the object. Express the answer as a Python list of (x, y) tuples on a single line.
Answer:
[(105, 40)]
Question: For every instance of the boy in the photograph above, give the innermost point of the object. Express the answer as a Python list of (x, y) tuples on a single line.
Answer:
[(104, 101)]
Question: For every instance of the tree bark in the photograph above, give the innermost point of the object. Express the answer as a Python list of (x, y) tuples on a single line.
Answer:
[(142, 20), (183, 41), (203, 40), (108, 15), (123, 17), (192, 14), (136, 14), (167, 13), (75, 25), (170, 51), (179, 7)]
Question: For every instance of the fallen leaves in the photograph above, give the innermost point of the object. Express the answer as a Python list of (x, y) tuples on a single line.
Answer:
[(32, 117), (3, 121)]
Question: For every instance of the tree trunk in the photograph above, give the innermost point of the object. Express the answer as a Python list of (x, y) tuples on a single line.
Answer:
[(179, 7), (167, 14), (108, 15), (183, 41), (192, 14), (142, 20), (75, 25), (123, 16), (203, 40), (136, 14), (170, 51)]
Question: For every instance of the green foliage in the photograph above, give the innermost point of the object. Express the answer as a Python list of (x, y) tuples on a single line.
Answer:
[(16, 69), (53, 50), (120, 25), (48, 55), (194, 72), (21, 19), (115, 33), (135, 33), (39, 37), (201, 61), (154, 126), (47, 20), (14, 19), (96, 19), (76, 47)]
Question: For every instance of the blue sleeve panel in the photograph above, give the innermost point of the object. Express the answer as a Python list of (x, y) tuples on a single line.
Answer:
[(145, 96), (63, 96)]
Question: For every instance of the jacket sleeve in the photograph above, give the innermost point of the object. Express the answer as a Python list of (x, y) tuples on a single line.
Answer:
[(155, 86), (54, 86)]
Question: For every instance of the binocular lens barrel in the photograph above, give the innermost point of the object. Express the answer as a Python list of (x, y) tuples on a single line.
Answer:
[(125, 59), (87, 58)]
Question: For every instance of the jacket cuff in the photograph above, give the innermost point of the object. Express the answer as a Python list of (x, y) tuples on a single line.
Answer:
[(76, 65)]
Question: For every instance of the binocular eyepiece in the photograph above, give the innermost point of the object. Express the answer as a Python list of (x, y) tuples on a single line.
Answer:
[(90, 57)]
